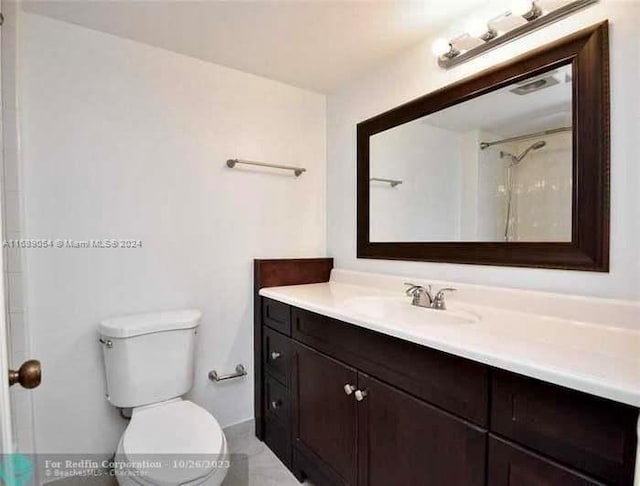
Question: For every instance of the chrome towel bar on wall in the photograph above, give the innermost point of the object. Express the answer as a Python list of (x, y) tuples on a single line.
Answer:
[(231, 163), (240, 371), (391, 182)]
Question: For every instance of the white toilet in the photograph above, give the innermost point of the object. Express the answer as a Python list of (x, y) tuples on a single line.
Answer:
[(149, 363)]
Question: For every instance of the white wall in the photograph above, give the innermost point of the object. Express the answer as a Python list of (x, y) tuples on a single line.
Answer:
[(419, 209), (128, 141), (415, 73)]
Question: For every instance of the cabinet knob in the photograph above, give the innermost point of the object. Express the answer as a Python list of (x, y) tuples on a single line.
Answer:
[(275, 355), (349, 389), (360, 395), (276, 404)]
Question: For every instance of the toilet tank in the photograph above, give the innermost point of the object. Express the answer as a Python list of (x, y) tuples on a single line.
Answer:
[(149, 358)]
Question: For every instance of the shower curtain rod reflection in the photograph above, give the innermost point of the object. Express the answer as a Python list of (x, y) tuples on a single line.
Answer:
[(484, 145)]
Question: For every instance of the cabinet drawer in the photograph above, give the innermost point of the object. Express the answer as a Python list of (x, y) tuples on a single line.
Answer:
[(276, 315), (277, 402), (277, 356), (452, 383), (594, 435), (510, 465), (278, 438)]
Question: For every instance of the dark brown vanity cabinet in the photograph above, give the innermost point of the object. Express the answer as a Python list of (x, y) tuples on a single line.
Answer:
[(510, 465), (594, 435), (346, 406), (325, 418), (356, 427), (404, 440)]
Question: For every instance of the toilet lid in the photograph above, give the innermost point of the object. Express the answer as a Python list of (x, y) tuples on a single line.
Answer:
[(173, 443)]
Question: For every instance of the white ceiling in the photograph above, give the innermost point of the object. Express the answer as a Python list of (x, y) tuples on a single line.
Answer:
[(314, 44), (504, 113)]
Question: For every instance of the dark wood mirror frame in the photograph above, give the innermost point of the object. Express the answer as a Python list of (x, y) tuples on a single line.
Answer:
[(588, 53)]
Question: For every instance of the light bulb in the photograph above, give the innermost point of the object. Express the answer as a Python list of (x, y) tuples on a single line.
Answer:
[(440, 47), (477, 28), (521, 7), (547, 6)]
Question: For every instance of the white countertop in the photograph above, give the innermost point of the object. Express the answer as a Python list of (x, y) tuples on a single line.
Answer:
[(586, 356)]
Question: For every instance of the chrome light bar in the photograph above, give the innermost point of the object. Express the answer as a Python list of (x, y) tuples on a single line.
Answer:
[(502, 29)]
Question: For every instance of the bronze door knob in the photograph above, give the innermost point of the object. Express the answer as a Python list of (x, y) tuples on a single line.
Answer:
[(29, 375)]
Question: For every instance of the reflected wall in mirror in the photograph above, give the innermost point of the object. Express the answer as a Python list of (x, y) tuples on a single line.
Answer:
[(508, 167), (494, 168)]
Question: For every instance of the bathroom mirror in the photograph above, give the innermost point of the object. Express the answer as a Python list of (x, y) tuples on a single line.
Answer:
[(494, 168), (509, 167)]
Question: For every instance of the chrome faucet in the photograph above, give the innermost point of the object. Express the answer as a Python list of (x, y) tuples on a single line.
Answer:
[(423, 296), (438, 300)]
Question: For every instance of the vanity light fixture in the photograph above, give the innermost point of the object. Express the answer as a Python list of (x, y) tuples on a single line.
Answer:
[(527, 9), (524, 16), (481, 30), (444, 49)]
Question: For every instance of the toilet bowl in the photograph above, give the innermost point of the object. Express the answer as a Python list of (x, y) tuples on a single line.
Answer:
[(149, 365), (172, 443)]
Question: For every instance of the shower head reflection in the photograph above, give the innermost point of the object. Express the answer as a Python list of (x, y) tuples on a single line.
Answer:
[(516, 159)]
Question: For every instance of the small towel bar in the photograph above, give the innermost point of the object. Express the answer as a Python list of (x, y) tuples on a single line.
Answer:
[(391, 182), (240, 371)]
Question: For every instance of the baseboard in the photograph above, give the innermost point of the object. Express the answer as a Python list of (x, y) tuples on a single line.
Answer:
[(240, 429)]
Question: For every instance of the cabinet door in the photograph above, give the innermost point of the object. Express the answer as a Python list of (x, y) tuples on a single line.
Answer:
[(510, 465), (403, 440), (591, 434), (324, 416)]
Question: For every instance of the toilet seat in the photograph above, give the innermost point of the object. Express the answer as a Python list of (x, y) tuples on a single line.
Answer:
[(180, 442)]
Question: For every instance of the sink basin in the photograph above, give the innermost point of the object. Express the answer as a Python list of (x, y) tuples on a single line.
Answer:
[(401, 311)]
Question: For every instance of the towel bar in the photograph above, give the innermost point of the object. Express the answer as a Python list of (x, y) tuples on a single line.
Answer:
[(231, 163), (240, 371)]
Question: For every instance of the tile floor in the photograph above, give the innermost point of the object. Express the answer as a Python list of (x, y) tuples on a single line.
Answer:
[(264, 468)]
